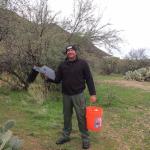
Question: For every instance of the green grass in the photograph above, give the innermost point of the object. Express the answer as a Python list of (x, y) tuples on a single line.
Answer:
[(109, 77), (125, 120)]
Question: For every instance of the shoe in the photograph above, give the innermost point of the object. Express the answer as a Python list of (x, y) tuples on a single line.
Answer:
[(62, 140), (85, 144)]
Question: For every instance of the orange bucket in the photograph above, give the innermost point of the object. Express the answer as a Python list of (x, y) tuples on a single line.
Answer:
[(94, 118)]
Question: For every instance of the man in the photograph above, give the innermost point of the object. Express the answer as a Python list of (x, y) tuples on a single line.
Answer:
[(73, 73)]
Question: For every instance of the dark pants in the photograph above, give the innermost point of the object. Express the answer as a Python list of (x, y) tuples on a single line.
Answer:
[(79, 103)]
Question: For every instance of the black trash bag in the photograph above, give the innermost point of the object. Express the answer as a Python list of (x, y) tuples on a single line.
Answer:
[(32, 76)]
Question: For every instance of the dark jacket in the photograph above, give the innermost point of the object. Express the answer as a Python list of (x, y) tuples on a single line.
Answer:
[(73, 75)]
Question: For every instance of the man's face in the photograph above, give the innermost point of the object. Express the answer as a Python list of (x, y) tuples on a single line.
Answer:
[(71, 54)]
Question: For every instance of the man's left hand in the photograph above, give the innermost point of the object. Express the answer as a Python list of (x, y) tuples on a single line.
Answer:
[(93, 98)]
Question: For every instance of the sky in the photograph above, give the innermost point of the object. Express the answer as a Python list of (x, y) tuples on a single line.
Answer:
[(131, 16)]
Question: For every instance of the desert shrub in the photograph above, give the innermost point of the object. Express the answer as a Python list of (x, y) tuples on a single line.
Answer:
[(110, 96), (109, 65), (38, 92)]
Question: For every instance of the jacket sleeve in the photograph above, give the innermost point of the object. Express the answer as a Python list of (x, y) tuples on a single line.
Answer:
[(58, 76), (32, 76), (89, 79)]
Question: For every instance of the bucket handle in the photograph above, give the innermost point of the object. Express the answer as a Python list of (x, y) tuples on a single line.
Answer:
[(94, 104)]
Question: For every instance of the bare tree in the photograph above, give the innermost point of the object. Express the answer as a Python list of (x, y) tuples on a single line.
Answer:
[(84, 23), (137, 54), (31, 39), (136, 59), (3, 3)]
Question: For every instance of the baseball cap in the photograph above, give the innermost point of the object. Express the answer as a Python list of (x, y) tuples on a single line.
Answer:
[(71, 47)]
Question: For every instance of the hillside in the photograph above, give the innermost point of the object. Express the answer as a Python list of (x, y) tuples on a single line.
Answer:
[(8, 17)]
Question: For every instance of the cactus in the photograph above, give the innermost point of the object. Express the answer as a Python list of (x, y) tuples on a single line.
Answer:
[(7, 140), (142, 74), (8, 125), (147, 77)]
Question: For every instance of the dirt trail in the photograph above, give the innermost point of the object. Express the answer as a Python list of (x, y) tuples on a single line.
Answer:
[(31, 144), (134, 84)]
